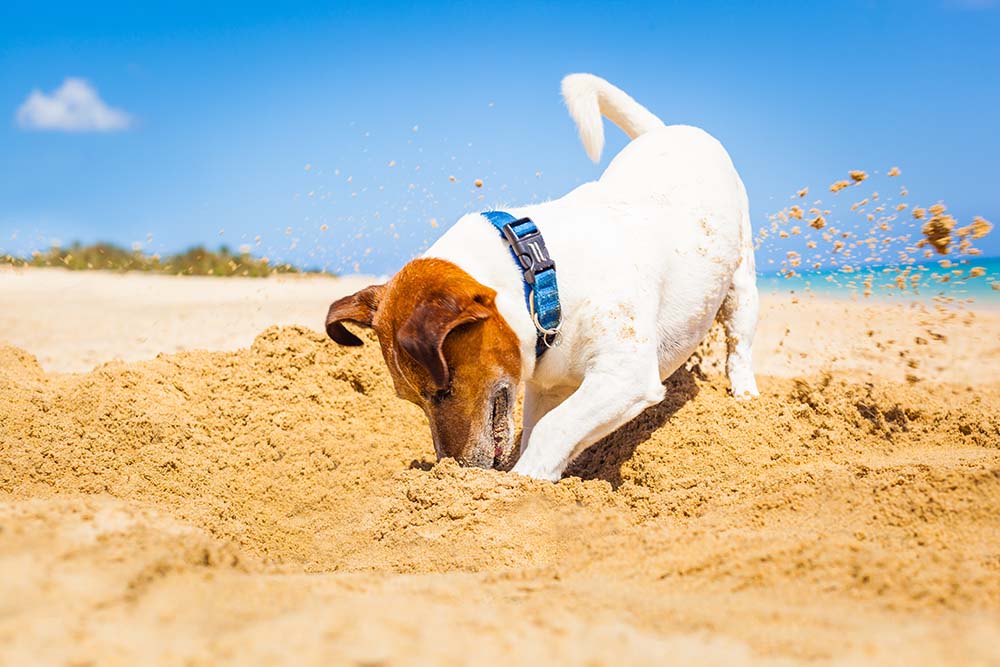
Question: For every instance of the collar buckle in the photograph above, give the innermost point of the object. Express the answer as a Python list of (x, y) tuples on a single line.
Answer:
[(529, 250), (538, 270)]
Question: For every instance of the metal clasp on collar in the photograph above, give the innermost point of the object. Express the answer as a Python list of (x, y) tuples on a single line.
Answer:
[(550, 337)]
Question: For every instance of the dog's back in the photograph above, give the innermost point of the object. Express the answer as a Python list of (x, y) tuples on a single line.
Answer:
[(663, 163), (669, 213)]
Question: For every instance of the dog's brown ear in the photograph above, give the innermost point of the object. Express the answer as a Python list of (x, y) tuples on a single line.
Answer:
[(358, 308), (424, 333)]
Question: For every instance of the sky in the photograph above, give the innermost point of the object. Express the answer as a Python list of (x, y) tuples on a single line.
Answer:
[(348, 137)]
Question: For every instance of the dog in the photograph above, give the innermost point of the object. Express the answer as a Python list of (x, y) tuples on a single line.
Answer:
[(646, 258)]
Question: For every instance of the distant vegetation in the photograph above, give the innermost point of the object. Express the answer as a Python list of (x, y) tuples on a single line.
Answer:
[(197, 261)]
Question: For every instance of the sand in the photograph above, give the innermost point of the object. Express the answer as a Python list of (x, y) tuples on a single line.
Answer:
[(276, 504), (73, 320)]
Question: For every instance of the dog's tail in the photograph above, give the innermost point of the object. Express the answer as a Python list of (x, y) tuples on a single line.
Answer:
[(588, 97)]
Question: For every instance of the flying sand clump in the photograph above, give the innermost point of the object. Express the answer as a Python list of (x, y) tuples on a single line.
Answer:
[(873, 233), (937, 230)]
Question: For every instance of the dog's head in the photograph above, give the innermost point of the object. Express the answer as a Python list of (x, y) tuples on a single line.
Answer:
[(448, 350)]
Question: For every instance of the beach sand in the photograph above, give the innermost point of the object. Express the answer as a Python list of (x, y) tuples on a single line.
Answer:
[(257, 495)]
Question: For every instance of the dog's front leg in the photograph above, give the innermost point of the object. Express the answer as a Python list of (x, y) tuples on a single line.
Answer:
[(537, 404), (608, 397)]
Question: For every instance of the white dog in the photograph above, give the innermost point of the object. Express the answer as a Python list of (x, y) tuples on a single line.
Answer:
[(645, 257)]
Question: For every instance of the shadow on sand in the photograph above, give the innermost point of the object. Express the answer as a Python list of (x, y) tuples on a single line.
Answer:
[(604, 459)]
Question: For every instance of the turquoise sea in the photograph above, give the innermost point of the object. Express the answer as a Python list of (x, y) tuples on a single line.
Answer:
[(835, 283)]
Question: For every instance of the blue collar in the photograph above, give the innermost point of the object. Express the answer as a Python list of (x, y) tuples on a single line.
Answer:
[(541, 293)]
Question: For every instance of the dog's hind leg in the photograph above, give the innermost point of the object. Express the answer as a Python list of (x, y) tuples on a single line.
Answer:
[(739, 318)]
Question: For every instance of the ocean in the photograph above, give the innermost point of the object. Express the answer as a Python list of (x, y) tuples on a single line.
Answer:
[(838, 284)]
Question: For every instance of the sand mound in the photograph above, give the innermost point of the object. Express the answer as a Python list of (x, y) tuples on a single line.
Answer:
[(185, 499)]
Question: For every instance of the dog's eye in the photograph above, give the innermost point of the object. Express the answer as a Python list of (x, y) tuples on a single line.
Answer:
[(440, 395)]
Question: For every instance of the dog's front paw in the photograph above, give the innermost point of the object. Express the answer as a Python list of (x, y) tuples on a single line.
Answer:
[(537, 473), (744, 386), (746, 393)]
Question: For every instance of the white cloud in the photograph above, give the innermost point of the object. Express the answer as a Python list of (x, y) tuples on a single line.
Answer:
[(74, 106)]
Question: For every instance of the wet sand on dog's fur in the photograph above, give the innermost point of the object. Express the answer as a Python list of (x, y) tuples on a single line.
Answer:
[(278, 505)]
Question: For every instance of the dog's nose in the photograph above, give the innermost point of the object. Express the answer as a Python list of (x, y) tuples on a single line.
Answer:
[(476, 461)]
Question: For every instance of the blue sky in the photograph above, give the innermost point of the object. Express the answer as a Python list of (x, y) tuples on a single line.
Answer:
[(224, 107)]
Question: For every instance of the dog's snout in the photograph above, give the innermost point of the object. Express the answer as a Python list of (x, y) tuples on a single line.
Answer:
[(478, 434)]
